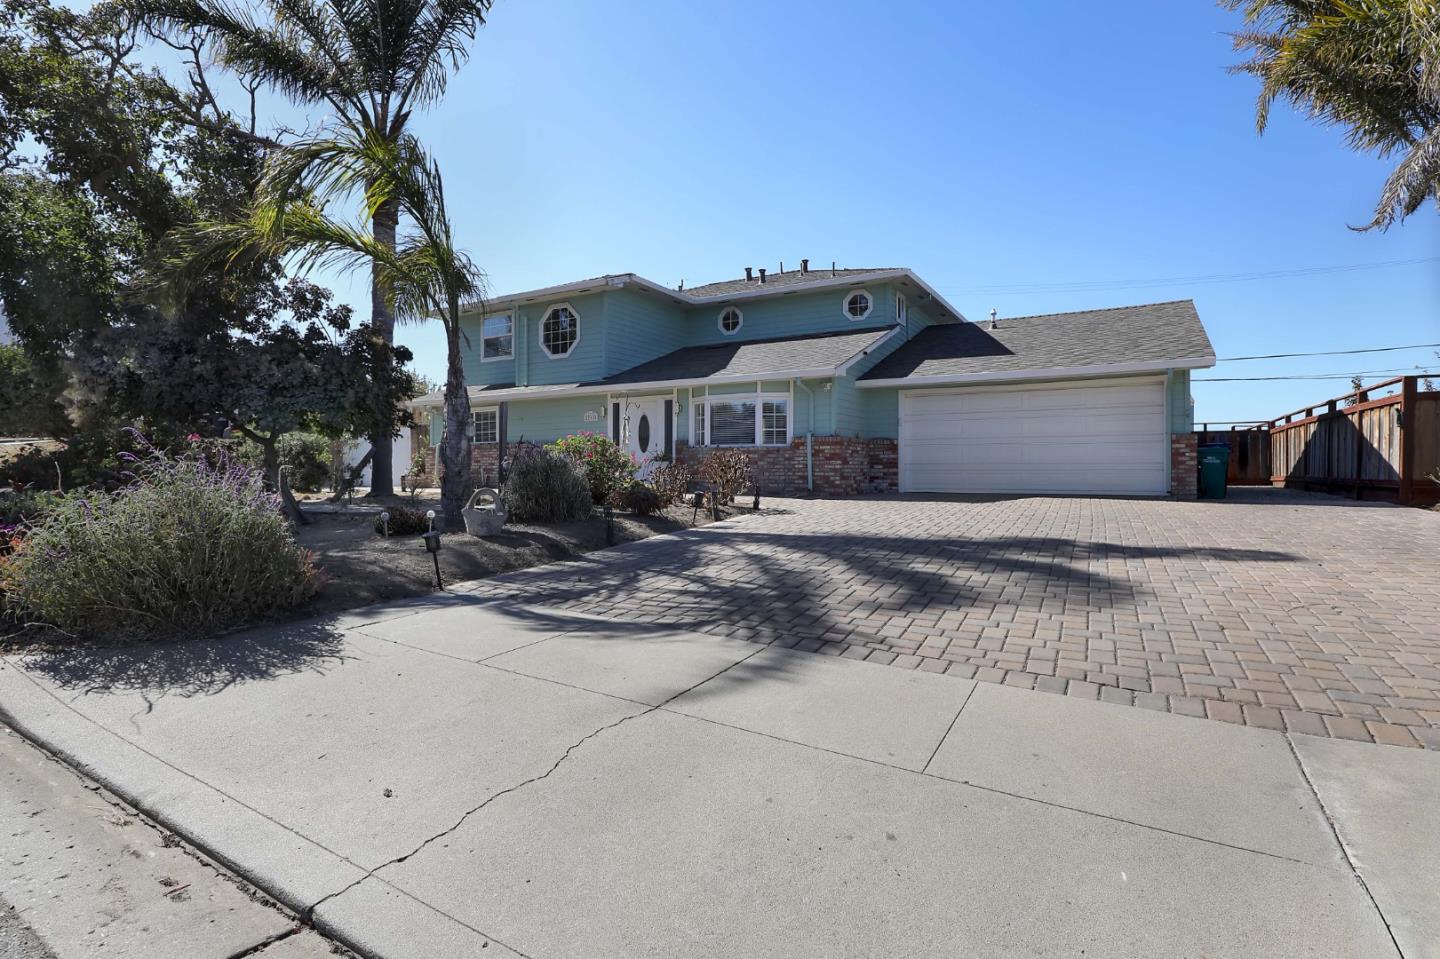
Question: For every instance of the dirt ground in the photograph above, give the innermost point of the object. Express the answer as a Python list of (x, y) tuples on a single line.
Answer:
[(359, 567)]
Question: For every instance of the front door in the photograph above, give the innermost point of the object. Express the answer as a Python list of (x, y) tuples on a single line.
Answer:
[(642, 431)]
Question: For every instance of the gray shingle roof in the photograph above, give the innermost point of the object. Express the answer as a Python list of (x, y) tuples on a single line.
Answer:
[(1154, 332), (780, 280), (821, 351)]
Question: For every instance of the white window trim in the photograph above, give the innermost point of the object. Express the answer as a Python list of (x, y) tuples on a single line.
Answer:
[(485, 409), (845, 305), (902, 310), (720, 320), (759, 399), (540, 330), (497, 359)]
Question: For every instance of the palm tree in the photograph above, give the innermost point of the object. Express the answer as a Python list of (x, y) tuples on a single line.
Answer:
[(371, 63), (419, 273), (1370, 66)]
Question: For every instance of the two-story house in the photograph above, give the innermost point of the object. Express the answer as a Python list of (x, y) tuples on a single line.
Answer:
[(838, 382)]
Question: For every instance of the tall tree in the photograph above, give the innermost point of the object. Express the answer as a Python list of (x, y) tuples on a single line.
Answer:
[(372, 64), (1369, 66), (421, 275)]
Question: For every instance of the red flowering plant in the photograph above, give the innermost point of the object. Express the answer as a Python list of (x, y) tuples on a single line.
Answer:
[(606, 466)]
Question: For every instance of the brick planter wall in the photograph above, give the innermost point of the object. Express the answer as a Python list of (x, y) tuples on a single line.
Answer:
[(842, 466), (1184, 466)]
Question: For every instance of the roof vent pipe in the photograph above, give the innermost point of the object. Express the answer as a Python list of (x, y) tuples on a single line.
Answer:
[(994, 323), (749, 274), (804, 267), (762, 274)]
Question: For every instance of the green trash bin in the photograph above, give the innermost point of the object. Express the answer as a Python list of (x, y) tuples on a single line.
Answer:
[(1214, 464)]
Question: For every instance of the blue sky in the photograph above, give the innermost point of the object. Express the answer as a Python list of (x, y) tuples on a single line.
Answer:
[(990, 147)]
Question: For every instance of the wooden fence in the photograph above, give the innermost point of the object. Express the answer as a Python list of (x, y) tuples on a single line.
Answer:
[(1249, 452), (1385, 448)]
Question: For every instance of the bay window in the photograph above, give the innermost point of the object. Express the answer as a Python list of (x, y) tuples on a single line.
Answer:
[(747, 419)]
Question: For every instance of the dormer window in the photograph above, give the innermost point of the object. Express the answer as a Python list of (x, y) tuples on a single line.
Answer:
[(902, 310), (559, 331), (497, 341), (858, 304), (730, 320)]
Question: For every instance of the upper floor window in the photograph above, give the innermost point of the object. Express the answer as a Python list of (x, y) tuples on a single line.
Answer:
[(497, 341), (485, 425), (559, 331), (858, 304), (730, 320), (902, 310)]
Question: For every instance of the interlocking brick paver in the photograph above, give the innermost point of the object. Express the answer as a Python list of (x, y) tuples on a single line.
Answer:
[(1301, 611)]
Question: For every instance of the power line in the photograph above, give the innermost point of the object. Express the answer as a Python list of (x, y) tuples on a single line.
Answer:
[(1286, 356), (1081, 286), (1317, 376)]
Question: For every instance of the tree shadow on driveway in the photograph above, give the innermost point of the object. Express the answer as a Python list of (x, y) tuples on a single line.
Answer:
[(793, 586)]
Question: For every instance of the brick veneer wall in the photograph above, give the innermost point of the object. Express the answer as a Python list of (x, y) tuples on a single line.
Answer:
[(484, 465), (842, 466), (1184, 466)]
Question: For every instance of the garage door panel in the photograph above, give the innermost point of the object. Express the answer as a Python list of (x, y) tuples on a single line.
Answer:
[(1103, 439), (1053, 425)]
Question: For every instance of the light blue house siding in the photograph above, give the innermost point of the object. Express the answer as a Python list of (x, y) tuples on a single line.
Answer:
[(640, 327), (530, 365), (790, 314)]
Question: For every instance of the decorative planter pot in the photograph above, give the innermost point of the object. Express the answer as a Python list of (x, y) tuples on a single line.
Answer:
[(485, 513)]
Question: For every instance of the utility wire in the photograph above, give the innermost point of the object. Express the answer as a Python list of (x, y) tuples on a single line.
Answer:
[(1286, 356), (1080, 286), (1318, 376)]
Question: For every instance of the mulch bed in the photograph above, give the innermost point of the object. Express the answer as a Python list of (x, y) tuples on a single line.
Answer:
[(360, 567)]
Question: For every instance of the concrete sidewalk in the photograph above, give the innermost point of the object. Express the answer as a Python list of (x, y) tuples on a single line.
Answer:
[(432, 778)]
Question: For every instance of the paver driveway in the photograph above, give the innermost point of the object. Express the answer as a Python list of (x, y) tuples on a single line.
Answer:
[(1303, 612)]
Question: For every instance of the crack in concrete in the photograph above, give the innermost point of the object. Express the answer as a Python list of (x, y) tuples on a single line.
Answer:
[(309, 914), (1339, 841)]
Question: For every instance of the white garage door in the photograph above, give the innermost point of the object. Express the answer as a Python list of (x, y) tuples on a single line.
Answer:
[(1095, 438)]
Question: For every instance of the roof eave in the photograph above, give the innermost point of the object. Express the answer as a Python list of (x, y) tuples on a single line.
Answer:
[(618, 280), (1043, 373), (526, 392)]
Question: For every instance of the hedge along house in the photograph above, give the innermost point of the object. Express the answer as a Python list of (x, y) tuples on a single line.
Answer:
[(838, 382)]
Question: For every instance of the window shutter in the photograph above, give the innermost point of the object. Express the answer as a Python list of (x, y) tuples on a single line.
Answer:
[(669, 428), (615, 422)]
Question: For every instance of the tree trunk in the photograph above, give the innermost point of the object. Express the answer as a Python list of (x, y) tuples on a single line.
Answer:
[(274, 475), (385, 224), (455, 446)]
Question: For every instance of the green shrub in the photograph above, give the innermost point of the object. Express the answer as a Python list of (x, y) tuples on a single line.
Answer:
[(728, 471), (671, 481), (545, 487), (607, 467), (637, 498), (306, 458), (404, 522), (192, 545)]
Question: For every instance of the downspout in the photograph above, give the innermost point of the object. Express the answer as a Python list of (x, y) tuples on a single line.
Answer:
[(809, 430), (1169, 435)]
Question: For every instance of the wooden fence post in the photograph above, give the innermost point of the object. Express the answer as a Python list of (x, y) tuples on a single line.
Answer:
[(1408, 410)]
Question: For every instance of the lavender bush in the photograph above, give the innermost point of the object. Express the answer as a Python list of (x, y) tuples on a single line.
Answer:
[(193, 544)]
